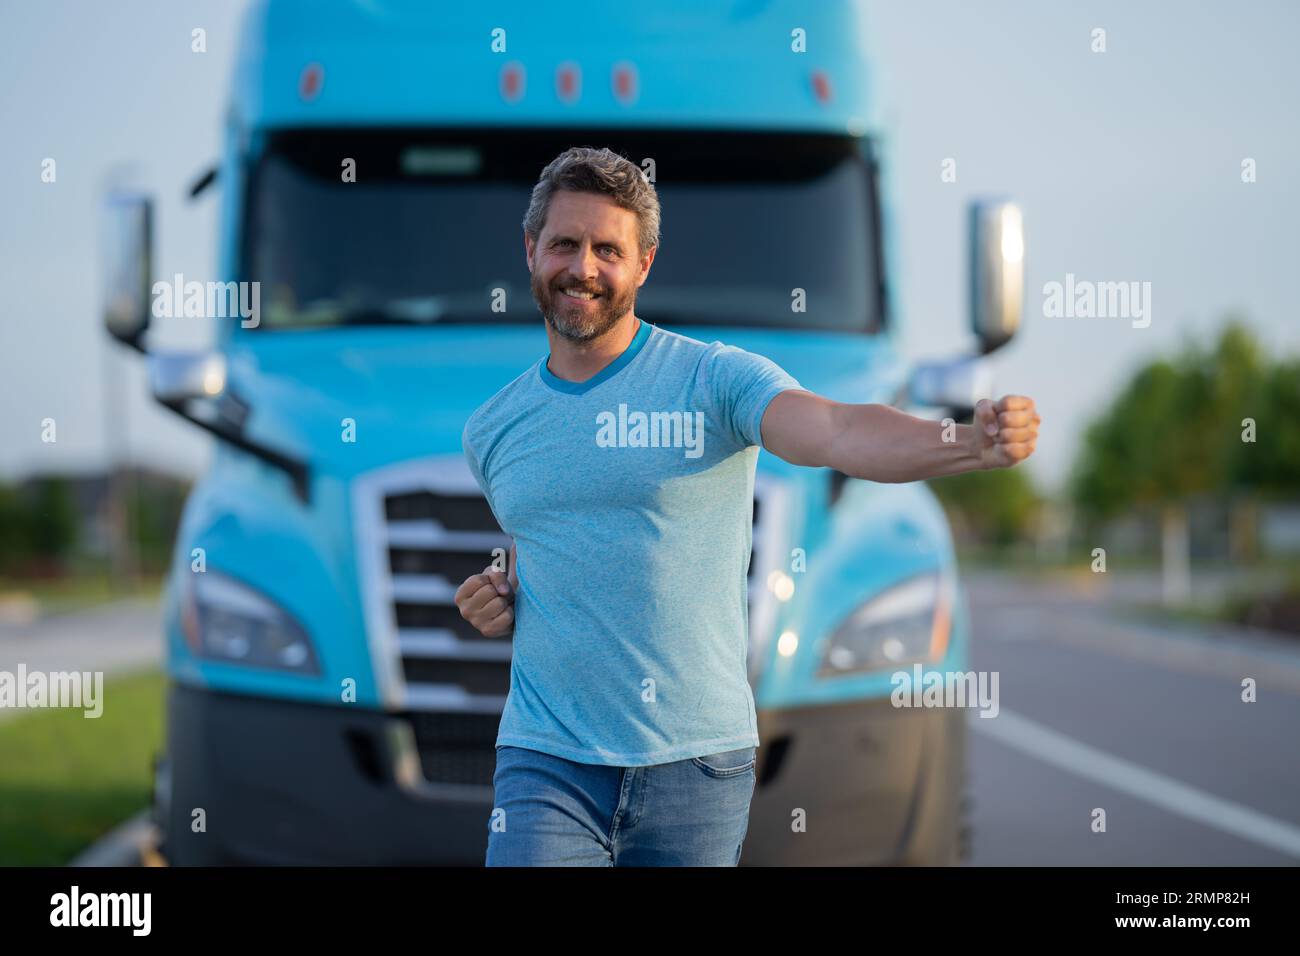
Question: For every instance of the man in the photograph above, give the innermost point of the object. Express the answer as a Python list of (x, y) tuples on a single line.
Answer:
[(622, 465)]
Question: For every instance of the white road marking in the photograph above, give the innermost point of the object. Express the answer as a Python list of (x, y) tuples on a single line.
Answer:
[(1083, 760)]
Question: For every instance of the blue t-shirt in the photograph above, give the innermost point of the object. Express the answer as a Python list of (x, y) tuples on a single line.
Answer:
[(629, 497)]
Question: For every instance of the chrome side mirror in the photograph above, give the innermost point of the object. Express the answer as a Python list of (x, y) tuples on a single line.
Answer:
[(956, 384), (997, 271), (127, 238)]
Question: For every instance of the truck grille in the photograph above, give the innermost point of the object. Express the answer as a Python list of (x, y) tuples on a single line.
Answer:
[(422, 528), (456, 748)]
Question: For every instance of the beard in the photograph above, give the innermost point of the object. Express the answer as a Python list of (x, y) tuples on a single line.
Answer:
[(576, 322)]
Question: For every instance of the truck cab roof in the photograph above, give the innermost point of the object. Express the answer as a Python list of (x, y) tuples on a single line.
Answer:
[(673, 63)]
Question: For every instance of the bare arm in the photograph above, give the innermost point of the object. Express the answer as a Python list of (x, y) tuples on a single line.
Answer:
[(881, 443)]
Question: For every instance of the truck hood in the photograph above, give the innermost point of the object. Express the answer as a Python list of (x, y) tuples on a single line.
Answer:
[(407, 392)]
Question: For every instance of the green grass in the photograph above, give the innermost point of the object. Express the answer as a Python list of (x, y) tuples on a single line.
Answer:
[(66, 779)]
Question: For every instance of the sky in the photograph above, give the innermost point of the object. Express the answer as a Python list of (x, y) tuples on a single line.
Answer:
[(1127, 164)]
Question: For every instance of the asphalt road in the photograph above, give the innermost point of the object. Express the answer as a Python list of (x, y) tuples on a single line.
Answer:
[(114, 638), (1145, 722)]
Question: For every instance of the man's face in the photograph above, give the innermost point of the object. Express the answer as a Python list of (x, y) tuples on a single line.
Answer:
[(588, 245)]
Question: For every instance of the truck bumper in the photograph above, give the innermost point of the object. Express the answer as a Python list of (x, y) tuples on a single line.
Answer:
[(857, 784), (289, 783)]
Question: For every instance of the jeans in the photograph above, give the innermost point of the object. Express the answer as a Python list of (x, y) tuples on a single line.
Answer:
[(549, 811)]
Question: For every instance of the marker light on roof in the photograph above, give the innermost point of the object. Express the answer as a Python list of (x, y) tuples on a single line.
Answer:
[(512, 81), (625, 82), (821, 86), (311, 81), (568, 81)]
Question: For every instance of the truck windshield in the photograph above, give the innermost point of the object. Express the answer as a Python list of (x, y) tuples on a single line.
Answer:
[(362, 226)]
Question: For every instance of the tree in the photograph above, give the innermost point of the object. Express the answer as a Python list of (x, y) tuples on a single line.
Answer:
[(1000, 506), (1271, 463), (14, 535), (51, 521), (1174, 432)]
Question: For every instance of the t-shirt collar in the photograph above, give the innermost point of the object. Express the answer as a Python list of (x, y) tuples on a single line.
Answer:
[(577, 388)]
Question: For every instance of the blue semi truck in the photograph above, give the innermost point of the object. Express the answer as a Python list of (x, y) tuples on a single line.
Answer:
[(327, 703)]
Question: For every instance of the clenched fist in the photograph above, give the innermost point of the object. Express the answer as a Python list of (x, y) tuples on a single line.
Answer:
[(1005, 430), (487, 600)]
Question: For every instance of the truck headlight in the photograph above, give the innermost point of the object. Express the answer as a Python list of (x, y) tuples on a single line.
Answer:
[(225, 620), (909, 622)]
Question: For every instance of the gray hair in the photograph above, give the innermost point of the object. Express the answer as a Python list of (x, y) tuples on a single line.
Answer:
[(583, 169)]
